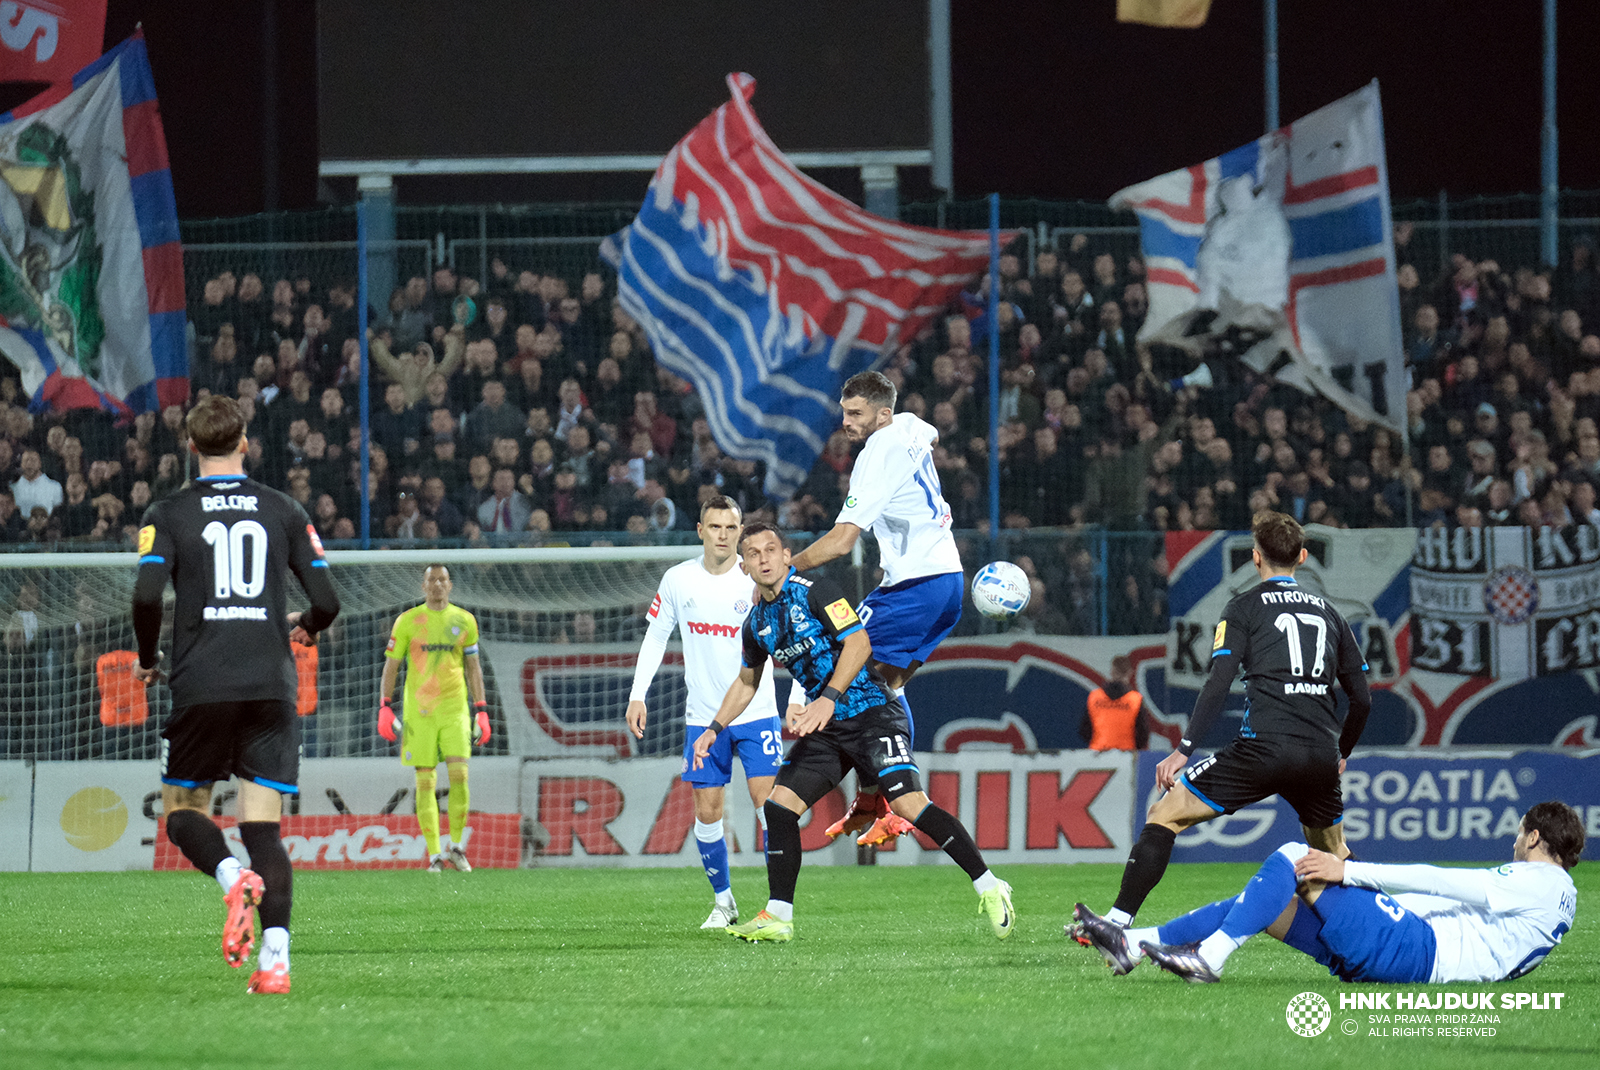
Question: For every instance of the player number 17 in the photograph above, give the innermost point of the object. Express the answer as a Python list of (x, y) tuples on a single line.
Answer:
[(1290, 627)]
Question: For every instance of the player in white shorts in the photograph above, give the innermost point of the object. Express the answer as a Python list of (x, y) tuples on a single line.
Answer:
[(894, 490), (1369, 922), (707, 598)]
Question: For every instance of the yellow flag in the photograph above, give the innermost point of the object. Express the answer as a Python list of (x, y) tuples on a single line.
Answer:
[(48, 188), (1183, 14)]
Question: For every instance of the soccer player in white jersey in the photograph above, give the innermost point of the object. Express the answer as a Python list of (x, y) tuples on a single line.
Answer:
[(707, 598), (1369, 922), (894, 490)]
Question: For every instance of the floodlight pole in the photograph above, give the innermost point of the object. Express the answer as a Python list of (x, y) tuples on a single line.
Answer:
[(994, 369), (1270, 73), (1549, 183)]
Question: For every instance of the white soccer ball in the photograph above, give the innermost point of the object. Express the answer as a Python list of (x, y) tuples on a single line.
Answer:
[(1000, 590)]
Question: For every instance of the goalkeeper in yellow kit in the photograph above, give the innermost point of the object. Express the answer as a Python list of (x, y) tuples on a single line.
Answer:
[(439, 643)]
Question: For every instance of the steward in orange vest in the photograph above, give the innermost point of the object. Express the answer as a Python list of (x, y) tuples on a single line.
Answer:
[(1116, 718)]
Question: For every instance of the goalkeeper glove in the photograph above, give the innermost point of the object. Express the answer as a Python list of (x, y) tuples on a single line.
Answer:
[(480, 728), (388, 724)]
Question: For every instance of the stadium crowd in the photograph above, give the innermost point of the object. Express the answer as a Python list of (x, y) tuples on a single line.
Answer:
[(534, 411)]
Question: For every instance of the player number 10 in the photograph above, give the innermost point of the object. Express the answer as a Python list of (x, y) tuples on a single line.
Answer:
[(228, 565)]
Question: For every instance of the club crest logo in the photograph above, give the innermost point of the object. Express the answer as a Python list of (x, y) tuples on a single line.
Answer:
[(1511, 594), (1308, 1014)]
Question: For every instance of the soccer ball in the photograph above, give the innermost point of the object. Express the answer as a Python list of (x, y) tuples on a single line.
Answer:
[(1000, 590)]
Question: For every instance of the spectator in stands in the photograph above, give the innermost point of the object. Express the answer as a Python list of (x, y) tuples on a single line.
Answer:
[(75, 515), (413, 369), (33, 488), (507, 509), (493, 418), (397, 427), (11, 526), (476, 489)]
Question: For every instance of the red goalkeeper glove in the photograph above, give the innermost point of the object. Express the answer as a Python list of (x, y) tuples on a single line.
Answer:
[(388, 724), (480, 730)]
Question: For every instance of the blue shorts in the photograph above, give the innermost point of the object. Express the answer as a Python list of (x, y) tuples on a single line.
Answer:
[(905, 622), (1362, 935), (759, 745)]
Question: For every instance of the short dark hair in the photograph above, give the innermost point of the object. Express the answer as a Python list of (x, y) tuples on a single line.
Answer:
[(1121, 665), (721, 501), (215, 426), (430, 566), (756, 527), (873, 387), (1279, 537), (1559, 827)]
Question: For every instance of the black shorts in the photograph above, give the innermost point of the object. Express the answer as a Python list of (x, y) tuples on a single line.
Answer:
[(874, 743), (257, 741), (1248, 770)]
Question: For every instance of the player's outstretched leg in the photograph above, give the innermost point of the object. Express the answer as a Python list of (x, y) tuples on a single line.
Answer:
[(271, 861), (460, 798), (1260, 904), (202, 843), (776, 922), (941, 826), (1146, 866)]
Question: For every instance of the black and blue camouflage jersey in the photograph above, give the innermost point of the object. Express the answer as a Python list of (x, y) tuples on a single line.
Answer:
[(803, 629)]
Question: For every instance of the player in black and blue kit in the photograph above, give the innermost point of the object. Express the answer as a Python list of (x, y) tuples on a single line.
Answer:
[(852, 720)]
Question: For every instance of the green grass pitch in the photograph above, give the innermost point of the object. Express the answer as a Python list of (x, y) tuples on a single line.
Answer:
[(891, 967)]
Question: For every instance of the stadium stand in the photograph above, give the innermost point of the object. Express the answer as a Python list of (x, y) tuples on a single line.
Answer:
[(546, 420)]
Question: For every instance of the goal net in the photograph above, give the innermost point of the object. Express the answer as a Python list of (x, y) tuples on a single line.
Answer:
[(559, 632)]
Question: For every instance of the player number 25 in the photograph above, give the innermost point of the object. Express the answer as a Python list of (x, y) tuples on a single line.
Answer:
[(230, 572), (1290, 628), (771, 743)]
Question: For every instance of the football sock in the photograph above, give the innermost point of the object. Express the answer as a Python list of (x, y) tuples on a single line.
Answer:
[(783, 852), (1257, 907), (428, 809), (713, 853), (761, 819), (984, 881), (274, 947), (228, 871), (460, 796), (271, 862), (198, 837), (780, 909), (1190, 928), (1120, 918), (942, 828), (911, 725), (1145, 868)]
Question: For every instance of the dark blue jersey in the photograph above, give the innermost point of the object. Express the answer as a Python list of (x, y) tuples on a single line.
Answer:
[(803, 629)]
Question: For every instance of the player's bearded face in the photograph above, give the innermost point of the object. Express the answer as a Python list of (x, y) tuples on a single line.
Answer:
[(861, 419)]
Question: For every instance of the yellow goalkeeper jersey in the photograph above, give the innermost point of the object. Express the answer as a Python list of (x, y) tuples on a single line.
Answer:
[(435, 644)]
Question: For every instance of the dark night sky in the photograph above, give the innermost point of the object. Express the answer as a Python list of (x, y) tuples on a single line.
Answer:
[(1053, 98)]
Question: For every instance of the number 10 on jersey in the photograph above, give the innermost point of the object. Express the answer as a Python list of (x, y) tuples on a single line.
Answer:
[(235, 571)]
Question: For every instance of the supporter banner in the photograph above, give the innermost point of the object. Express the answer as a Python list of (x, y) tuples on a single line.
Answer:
[(367, 841), (1506, 602), (1022, 695), (1408, 807), (767, 290), (1423, 608), (49, 40), (91, 273), (16, 815), (1070, 807), (94, 815), (1285, 241)]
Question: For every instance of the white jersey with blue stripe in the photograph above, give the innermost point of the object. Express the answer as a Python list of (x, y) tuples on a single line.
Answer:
[(1489, 924), (894, 491)]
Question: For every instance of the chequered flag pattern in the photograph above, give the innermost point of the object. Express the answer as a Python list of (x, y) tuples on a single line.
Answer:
[(1511, 594), (1308, 1014)]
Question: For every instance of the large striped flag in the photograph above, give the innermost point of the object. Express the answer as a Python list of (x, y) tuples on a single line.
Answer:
[(1292, 229), (766, 290), (91, 272)]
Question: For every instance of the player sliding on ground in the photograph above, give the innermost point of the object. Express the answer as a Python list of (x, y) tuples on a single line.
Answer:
[(707, 598), (1425, 924), (1293, 645), (439, 644), (894, 490), (852, 719), (228, 544)]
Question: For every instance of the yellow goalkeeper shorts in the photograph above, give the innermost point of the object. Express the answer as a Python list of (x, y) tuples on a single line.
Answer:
[(428, 740)]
